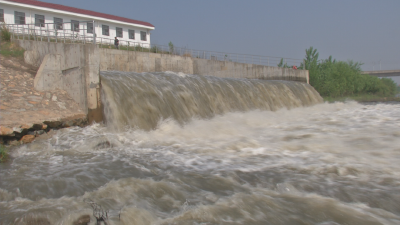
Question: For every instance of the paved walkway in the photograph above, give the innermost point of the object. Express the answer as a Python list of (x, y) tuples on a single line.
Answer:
[(22, 106)]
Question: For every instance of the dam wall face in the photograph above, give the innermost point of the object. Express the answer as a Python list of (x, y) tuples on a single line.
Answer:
[(131, 61), (76, 68)]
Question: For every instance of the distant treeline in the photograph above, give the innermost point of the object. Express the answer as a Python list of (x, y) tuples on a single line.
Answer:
[(333, 78)]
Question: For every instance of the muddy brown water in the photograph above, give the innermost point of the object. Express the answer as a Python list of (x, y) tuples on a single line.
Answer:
[(180, 149)]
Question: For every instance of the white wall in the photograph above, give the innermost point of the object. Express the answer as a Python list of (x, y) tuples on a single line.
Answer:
[(49, 18)]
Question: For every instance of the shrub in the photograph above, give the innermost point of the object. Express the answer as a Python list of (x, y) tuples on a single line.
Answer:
[(3, 154), (333, 78), (5, 33), (155, 49)]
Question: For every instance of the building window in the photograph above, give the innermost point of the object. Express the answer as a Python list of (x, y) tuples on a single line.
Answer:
[(119, 32), (74, 25), (106, 30), (1, 15), (39, 20), (19, 17), (89, 28), (143, 36), (58, 23), (131, 34)]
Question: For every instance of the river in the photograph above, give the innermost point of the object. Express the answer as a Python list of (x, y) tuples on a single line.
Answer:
[(316, 163)]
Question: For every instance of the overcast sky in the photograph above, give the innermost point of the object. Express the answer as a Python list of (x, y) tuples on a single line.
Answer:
[(366, 31)]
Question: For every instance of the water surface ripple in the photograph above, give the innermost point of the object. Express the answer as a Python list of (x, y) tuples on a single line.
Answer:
[(323, 164)]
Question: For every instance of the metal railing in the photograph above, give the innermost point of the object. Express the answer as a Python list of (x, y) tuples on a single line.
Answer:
[(70, 32)]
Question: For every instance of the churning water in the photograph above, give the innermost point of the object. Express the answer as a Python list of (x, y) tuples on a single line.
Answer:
[(197, 150)]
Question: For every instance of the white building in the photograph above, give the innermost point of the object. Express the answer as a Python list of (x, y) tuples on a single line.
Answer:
[(44, 18)]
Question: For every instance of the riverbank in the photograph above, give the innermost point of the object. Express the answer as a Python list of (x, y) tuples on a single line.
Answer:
[(26, 113), (362, 98)]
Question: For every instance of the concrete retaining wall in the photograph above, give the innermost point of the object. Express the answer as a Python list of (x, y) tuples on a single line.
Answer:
[(70, 67), (76, 68)]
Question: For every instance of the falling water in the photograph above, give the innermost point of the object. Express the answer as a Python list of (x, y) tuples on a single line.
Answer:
[(143, 100)]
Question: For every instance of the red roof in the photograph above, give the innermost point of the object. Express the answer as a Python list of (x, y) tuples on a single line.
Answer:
[(80, 11)]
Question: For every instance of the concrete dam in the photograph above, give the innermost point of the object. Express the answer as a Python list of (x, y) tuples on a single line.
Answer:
[(77, 69)]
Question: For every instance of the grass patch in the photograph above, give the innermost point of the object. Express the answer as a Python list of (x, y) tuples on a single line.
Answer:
[(10, 49), (3, 154)]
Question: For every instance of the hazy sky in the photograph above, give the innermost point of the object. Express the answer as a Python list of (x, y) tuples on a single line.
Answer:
[(366, 31)]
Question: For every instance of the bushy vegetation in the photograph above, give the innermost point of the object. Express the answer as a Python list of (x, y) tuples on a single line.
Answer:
[(5, 34), (3, 153), (280, 64), (333, 78), (7, 48)]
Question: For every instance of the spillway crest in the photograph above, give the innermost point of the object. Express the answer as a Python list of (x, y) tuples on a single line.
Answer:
[(142, 100)]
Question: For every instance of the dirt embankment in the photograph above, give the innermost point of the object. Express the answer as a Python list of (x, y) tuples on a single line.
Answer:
[(26, 113)]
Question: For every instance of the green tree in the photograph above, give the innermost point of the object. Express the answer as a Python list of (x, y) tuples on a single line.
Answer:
[(339, 78), (171, 47), (280, 64)]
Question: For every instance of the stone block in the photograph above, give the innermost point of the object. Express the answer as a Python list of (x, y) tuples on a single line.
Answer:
[(27, 139), (5, 131)]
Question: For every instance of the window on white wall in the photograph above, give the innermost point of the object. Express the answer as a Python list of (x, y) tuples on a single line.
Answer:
[(39, 20), (1, 15), (143, 36), (119, 32), (19, 17), (89, 28), (74, 25), (58, 23), (131, 34), (106, 30)]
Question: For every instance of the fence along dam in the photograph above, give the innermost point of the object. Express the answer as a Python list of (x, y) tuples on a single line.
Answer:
[(179, 148)]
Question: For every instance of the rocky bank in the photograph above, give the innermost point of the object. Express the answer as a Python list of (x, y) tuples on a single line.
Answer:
[(26, 113)]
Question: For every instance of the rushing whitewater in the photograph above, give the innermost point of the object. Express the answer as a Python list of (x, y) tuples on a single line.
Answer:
[(142, 100), (324, 164)]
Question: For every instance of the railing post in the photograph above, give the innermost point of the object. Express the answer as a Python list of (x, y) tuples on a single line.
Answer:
[(84, 36), (13, 32), (94, 34)]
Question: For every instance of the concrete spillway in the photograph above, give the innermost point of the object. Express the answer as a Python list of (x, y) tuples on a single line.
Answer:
[(143, 100)]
